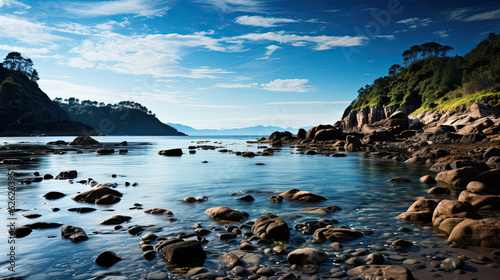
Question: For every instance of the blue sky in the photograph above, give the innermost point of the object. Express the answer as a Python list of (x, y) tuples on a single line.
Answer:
[(231, 63)]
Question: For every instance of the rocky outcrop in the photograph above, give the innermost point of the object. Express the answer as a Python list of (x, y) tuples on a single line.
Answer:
[(484, 233), (420, 211), (353, 120)]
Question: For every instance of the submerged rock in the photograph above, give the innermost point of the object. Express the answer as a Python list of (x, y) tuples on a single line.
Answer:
[(107, 259), (159, 211), (305, 256), (84, 141), (305, 196), (67, 175), (74, 234), (336, 234)]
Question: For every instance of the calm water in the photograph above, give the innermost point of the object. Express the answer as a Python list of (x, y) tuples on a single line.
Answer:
[(355, 183)]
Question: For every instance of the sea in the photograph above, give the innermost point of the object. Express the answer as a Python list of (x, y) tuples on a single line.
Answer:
[(358, 184)]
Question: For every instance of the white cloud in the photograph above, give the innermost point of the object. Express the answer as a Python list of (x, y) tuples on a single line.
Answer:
[(388, 37), (14, 4), (321, 42), (441, 33), (26, 32), (457, 14), (23, 50), (221, 85), (415, 22), (263, 21), (287, 85), (229, 6), (270, 50), (408, 21), (308, 103), (151, 8), (81, 63), (495, 14)]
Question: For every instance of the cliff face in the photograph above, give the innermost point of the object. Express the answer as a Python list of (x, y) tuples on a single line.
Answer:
[(26, 110), (353, 120), (119, 121)]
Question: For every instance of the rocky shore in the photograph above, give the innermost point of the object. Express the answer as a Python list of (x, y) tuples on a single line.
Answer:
[(242, 245)]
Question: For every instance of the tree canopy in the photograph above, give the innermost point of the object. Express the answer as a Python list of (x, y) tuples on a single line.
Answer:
[(425, 50), (16, 62)]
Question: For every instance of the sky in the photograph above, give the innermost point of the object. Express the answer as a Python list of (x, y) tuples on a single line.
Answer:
[(231, 63)]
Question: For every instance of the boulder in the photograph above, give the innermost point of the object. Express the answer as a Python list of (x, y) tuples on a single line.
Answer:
[(230, 260), (305, 256), (311, 133), (276, 198), (117, 219), (420, 211), (494, 162), (43, 225), (107, 259), (352, 143), (480, 187), (453, 209), (395, 123), (381, 272), (271, 227), (105, 151), (301, 134), (71, 174), (481, 201), (180, 252), (171, 152), (21, 231), (458, 177), (484, 233), (491, 152), (481, 110), (84, 141), (94, 194), (53, 195), (74, 234), (439, 191), (226, 214), (305, 196), (336, 234), (159, 211), (107, 199), (491, 177), (427, 179), (328, 134)]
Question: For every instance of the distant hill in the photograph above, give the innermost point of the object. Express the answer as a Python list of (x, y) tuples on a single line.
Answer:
[(258, 130), (124, 118), (26, 110)]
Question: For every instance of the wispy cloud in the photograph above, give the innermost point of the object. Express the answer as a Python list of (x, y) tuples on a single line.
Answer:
[(287, 85), (13, 4), (151, 8), (230, 6), (495, 14), (263, 21), (27, 32), (415, 22), (213, 106), (270, 50), (308, 103), (441, 33), (321, 42), (23, 50), (457, 14), (388, 37)]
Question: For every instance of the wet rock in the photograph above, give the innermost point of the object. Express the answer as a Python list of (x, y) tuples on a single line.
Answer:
[(375, 258), (74, 234), (458, 177), (271, 227), (491, 177), (180, 252), (159, 211), (420, 211), (480, 187), (491, 152), (481, 201), (149, 255), (246, 198), (135, 230), (321, 210), (21, 231), (48, 177), (226, 214), (150, 237), (439, 190), (71, 174), (447, 209), (31, 216), (107, 199), (276, 198), (240, 271), (355, 261), (328, 135), (311, 133), (230, 260), (401, 244), (43, 225), (427, 179), (265, 271), (171, 152), (393, 272), (305, 196), (451, 264), (53, 195), (107, 259), (82, 209), (117, 219), (84, 141), (484, 233), (105, 151), (226, 235), (337, 234), (305, 256), (399, 180), (94, 194)]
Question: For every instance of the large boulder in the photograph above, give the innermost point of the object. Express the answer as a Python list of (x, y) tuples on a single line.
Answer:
[(352, 143), (107, 259), (74, 234), (271, 227), (484, 233), (311, 133), (480, 187), (336, 234), (381, 272), (481, 201), (95, 194), (459, 177), (301, 134), (491, 177), (305, 196), (305, 256), (454, 210), (71, 174), (395, 123), (328, 134), (84, 141), (420, 211), (226, 214), (481, 110), (180, 252)]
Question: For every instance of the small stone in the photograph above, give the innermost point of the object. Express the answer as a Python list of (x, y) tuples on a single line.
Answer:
[(107, 259), (403, 229), (149, 255), (451, 264), (401, 244), (265, 271)]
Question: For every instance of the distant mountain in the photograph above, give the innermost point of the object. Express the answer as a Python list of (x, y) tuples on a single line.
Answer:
[(26, 110), (124, 118), (251, 130)]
